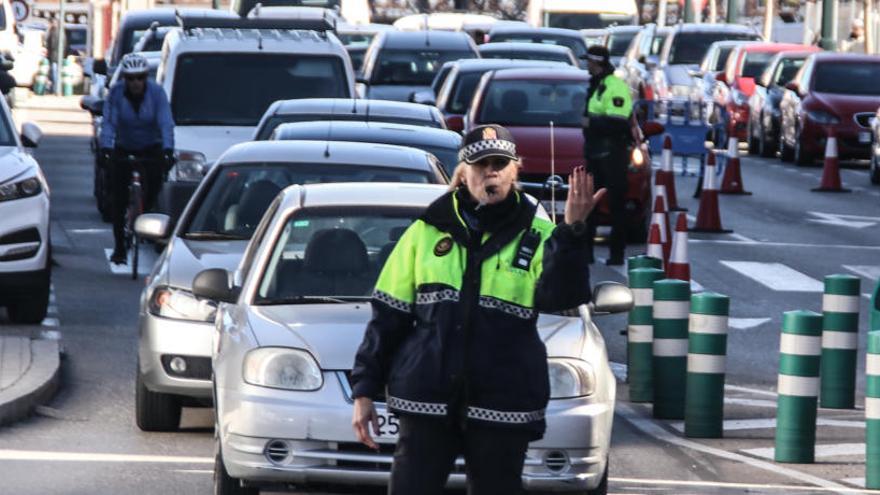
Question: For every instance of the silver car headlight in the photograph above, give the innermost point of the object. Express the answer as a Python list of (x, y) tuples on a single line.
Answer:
[(280, 367), (191, 165), (181, 305), (571, 378), (21, 189)]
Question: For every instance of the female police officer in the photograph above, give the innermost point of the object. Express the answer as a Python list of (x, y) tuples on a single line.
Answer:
[(453, 333)]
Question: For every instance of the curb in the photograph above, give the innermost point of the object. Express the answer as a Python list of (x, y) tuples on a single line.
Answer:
[(36, 386)]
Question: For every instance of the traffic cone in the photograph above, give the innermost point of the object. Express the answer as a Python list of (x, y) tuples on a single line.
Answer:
[(679, 267), (831, 170), (666, 177), (732, 183), (655, 244), (708, 214), (662, 219), (660, 192)]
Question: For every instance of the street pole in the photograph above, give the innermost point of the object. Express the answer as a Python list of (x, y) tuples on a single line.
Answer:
[(688, 11), (732, 11), (768, 19), (829, 24), (661, 13), (713, 12), (869, 26), (59, 57), (215, 4)]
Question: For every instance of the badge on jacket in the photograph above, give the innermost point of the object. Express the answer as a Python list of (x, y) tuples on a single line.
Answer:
[(443, 246), (618, 101)]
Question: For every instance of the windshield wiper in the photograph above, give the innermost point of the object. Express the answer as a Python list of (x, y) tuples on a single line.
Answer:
[(215, 236), (311, 300)]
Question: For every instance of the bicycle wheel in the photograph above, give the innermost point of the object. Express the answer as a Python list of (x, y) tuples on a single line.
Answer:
[(135, 254), (135, 208)]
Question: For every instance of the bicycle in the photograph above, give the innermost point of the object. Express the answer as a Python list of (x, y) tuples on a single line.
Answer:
[(134, 208)]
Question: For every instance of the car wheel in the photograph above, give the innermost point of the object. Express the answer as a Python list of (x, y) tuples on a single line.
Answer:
[(225, 484), (786, 154), (602, 489), (30, 308), (801, 157), (155, 411), (753, 143), (765, 147), (875, 169)]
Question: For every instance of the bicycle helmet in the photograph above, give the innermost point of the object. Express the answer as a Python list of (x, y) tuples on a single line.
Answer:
[(134, 63)]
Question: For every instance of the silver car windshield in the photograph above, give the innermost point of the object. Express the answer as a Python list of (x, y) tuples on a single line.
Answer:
[(331, 254), (239, 195)]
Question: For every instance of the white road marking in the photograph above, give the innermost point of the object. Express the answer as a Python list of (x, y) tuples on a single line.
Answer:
[(859, 482), (696, 286), (50, 322), (832, 450), (770, 423), (787, 244), (842, 220), (619, 370), (145, 263), (744, 239), (870, 272), (746, 323), (89, 231), (749, 390), (725, 484), (776, 276), (194, 471), (42, 456), (51, 319), (50, 335), (648, 427), (750, 402)]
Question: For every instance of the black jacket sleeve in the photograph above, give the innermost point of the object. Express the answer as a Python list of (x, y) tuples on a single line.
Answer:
[(565, 276), (386, 330)]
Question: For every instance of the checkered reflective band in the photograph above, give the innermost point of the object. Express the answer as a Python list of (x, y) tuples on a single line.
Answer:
[(505, 416), (488, 144), (392, 301), (437, 296), (416, 407), (595, 58), (506, 307)]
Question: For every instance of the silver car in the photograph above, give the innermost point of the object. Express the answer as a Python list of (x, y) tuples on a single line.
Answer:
[(293, 316), (174, 351)]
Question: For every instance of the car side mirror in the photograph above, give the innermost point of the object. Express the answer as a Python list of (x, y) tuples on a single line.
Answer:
[(611, 297), (455, 123), (695, 73), (361, 79), (99, 66), (793, 86), (31, 134), (721, 77), (423, 98), (652, 128), (213, 284), (153, 226)]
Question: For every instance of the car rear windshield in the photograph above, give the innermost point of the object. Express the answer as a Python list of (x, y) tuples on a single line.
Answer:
[(575, 44), (331, 252), (568, 20), (238, 196), (534, 103), (355, 39), (527, 55), (690, 48), (619, 42), (272, 123), (847, 78), (236, 89), (413, 67), (242, 7), (755, 63)]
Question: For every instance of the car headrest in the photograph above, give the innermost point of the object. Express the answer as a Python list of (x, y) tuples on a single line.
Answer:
[(255, 201), (395, 233), (514, 100), (336, 251)]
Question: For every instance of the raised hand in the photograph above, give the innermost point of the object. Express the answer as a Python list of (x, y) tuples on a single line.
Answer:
[(581, 196)]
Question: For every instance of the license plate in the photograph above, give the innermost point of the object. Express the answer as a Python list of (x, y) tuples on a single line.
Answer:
[(864, 137), (389, 425)]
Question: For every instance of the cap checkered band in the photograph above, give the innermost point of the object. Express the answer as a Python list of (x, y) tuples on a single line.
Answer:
[(506, 307), (594, 58), (505, 416), (392, 301), (437, 296), (416, 407), (488, 144)]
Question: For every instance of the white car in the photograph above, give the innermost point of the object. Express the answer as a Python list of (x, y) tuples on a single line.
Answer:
[(25, 250), (293, 316)]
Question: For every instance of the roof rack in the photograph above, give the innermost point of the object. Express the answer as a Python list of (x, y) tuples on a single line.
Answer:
[(206, 18)]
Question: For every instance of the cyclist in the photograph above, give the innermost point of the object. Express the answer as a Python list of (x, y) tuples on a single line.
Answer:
[(137, 123)]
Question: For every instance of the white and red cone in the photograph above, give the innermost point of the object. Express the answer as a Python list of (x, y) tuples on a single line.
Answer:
[(732, 182), (662, 219), (831, 170), (655, 245), (666, 177), (679, 266), (708, 214)]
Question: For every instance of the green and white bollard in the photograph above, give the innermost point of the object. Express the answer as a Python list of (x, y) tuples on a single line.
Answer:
[(707, 351), (872, 412), (643, 261), (800, 350), (670, 347), (640, 333), (840, 341)]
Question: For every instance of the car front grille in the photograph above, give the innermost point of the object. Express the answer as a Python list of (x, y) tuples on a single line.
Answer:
[(864, 119), (277, 451)]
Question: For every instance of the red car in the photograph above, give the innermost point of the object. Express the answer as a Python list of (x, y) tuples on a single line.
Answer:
[(832, 92), (526, 101), (736, 84)]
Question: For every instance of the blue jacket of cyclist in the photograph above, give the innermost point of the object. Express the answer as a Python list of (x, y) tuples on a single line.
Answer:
[(137, 123)]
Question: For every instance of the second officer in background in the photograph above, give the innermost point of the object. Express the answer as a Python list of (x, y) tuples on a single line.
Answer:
[(608, 142)]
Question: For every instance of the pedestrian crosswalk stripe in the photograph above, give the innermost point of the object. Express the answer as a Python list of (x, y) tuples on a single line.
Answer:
[(870, 272), (831, 450), (776, 276)]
